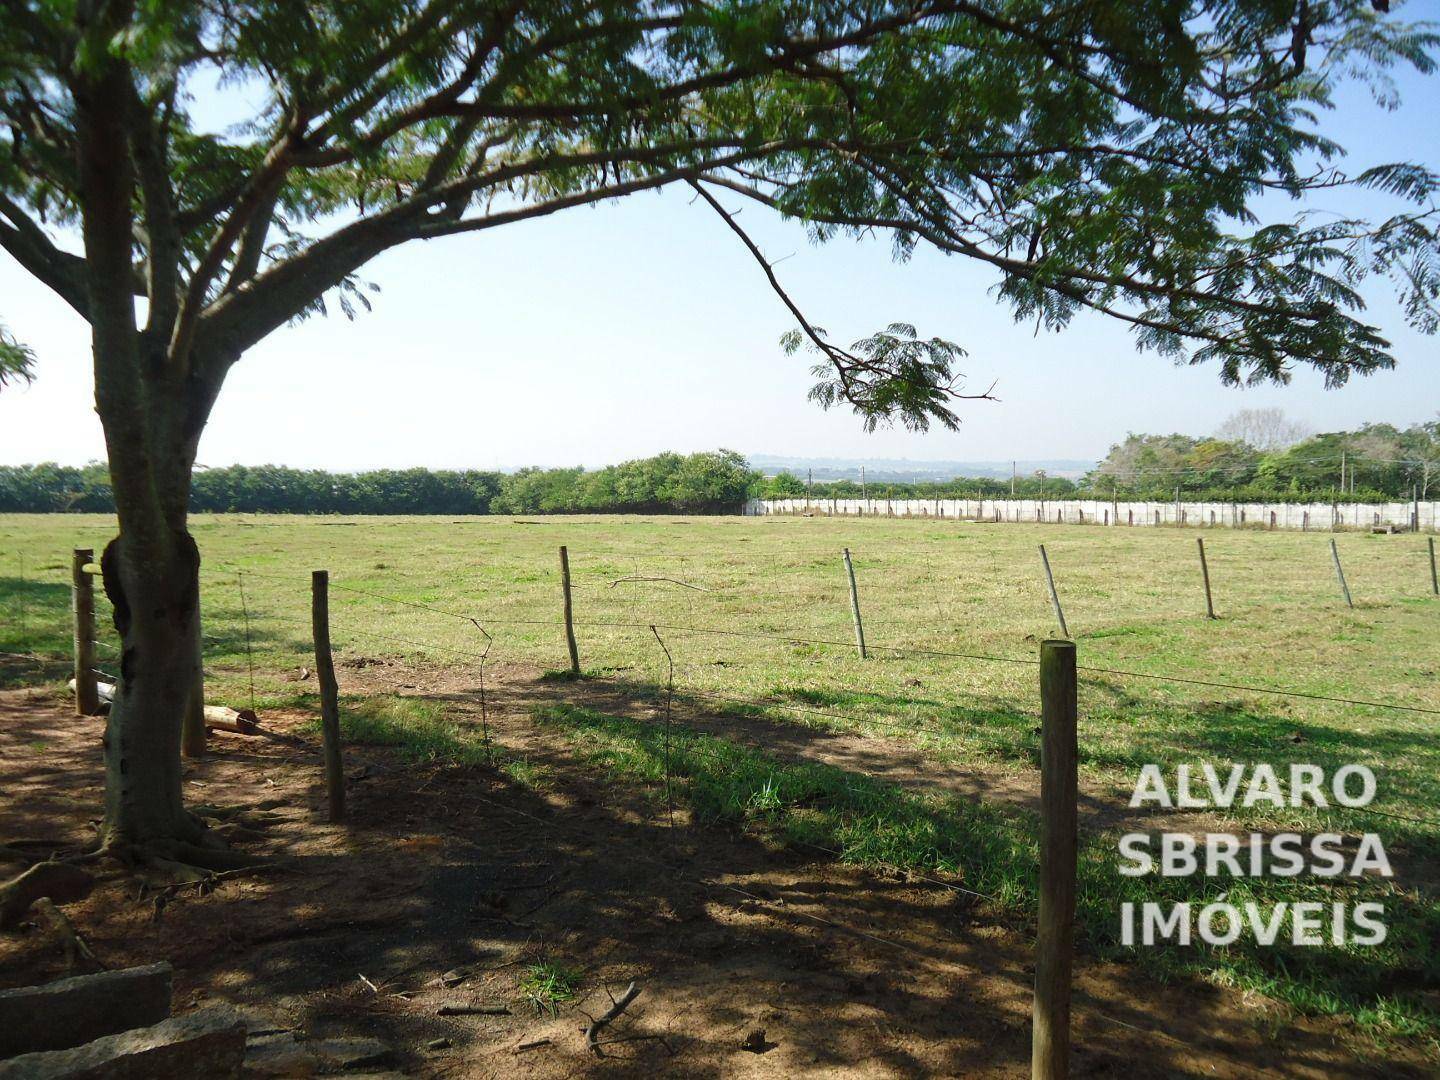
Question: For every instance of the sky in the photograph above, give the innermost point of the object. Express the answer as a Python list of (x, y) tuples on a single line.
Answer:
[(606, 333)]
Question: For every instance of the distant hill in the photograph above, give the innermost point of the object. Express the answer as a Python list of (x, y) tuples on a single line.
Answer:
[(900, 470)]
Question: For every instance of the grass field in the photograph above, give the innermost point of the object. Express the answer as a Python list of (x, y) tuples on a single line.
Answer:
[(768, 630)]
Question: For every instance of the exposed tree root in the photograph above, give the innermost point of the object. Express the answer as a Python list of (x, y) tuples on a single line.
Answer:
[(199, 859), (76, 949), (237, 832), (62, 882)]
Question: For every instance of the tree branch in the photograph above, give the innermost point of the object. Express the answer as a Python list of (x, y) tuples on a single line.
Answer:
[(845, 362), (28, 245), (162, 264)]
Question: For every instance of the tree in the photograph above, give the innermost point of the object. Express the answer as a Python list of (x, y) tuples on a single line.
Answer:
[(17, 362), (1096, 156), (1421, 444), (1145, 463), (1264, 429)]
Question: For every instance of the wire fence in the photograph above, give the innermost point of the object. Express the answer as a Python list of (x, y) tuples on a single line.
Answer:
[(242, 623), (652, 612), (797, 636)]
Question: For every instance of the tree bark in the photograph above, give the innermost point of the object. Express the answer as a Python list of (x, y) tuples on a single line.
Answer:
[(151, 572), (153, 405), (153, 583)]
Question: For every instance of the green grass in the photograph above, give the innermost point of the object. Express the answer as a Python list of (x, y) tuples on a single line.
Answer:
[(1132, 597), (548, 985), (983, 848), (995, 852)]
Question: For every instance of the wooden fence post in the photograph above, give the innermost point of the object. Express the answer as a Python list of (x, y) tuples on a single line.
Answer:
[(82, 604), (329, 692), (1054, 596), (1434, 579), (855, 606), (569, 612), (1205, 574), (1054, 943), (1340, 573)]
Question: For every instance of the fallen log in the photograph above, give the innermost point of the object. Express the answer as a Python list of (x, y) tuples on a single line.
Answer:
[(208, 1042), (217, 717), (240, 721)]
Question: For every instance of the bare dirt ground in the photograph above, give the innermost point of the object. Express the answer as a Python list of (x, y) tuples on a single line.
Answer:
[(751, 961)]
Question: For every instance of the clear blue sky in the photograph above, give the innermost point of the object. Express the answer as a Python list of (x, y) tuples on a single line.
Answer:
[(606, 333)]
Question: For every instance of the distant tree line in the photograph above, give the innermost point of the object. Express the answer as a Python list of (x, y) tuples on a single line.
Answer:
[(707, 483), (1373, 462), (1256, 456), (667, 483), (1036, 485)]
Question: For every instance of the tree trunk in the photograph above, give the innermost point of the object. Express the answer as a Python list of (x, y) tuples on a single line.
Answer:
[(152, 575), (154, 585), (153, 398)]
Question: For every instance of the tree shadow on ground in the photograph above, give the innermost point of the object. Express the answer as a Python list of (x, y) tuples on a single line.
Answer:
[(443, 866)]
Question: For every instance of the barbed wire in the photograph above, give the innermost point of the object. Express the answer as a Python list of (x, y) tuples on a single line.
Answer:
[(904, 648), (763, 703)]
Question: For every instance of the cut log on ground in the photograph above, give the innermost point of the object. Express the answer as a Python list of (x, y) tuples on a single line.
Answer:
[(240, 721), (217, 717)]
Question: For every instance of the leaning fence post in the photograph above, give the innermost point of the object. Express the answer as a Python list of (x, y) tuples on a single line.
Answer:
[(1340, 573), (329, 692), (1434, 579), (1054, 596), (855, 606), (1054, 943), (87, 697), (569, 612), (1205, 574)]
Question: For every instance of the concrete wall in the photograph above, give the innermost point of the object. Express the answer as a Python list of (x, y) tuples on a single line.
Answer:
[(1101, 512)]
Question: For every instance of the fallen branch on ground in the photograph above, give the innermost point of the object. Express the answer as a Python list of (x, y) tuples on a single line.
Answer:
[(592, 1033)]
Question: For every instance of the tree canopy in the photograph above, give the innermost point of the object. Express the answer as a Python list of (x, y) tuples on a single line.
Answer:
[(1097, 156)]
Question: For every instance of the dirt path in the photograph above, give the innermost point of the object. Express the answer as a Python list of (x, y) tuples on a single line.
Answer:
[(461, 871)]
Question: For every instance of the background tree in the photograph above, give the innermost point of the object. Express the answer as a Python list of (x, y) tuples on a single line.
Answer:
[(1264, 429), (16, 360), (1151, 463), (1420, 444), (1097, 156)]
